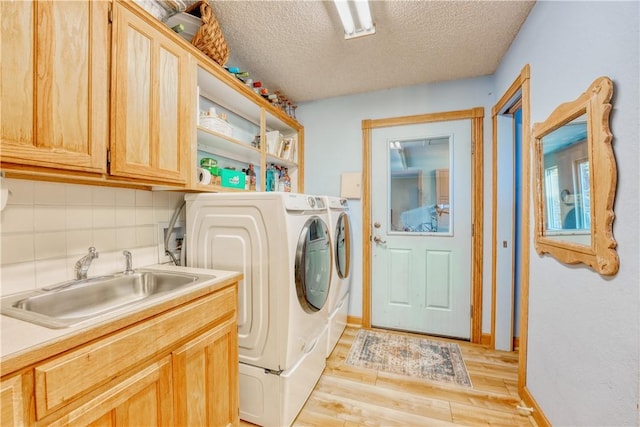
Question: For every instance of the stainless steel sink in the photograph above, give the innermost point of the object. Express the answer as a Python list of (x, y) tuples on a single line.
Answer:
[(69, 303)]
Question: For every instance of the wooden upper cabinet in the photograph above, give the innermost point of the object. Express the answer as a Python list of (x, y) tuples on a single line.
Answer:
[(54, 86), (152, 101)]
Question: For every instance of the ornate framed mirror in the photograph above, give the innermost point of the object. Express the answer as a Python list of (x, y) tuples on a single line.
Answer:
[(575, 173)]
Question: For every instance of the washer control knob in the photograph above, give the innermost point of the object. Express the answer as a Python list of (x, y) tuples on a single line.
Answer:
[(312, 202)]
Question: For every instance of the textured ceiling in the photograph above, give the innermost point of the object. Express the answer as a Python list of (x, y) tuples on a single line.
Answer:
[(298, 47)]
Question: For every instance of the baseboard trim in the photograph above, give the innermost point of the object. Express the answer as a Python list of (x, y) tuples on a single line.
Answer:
[(354, 321), (537, 414), (485, 339)]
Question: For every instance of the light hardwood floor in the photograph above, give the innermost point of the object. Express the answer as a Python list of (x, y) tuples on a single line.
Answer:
[(348, 396)]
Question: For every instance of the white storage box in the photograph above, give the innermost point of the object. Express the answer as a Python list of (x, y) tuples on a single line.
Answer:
[(216, 124)]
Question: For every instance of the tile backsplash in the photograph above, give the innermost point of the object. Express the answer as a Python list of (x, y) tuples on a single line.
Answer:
[(46, 227)]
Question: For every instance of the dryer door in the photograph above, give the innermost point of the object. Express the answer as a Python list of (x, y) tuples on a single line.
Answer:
[(342, 246), (313, 265)]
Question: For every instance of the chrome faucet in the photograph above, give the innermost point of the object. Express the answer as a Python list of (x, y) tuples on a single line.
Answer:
[(83, 264), (128, 268)]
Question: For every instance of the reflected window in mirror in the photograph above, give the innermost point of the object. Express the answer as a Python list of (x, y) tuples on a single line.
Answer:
[(574, 210), (566, 181), (419, 185)]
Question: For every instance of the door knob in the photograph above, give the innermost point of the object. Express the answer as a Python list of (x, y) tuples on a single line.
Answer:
[(379, 240)]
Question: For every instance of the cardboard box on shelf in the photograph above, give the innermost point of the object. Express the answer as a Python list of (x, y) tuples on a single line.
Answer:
[(232, 178)]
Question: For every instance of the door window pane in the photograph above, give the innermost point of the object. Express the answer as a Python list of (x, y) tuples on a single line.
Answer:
[(419, 187)]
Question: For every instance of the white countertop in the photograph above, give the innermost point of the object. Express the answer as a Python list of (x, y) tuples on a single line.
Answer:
[(19, 337)]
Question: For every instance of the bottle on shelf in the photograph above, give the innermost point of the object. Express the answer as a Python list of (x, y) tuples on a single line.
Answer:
[(270, 179), (247, 180), (287, 181), (281, 185), (251, 173)]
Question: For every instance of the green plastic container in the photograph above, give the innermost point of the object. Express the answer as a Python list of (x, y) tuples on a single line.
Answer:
[(211, 165)]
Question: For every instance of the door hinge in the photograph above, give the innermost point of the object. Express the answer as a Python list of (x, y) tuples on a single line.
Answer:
[(473, 148), (471, 311), (473, 230), (110, 15), (108, 157)]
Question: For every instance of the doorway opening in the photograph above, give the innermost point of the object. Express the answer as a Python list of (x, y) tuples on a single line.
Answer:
[(507, 215), (511, 224)]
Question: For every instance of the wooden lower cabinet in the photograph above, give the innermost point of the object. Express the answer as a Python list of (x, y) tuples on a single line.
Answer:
[(15, 400), (177, 368), (144, 399), (206, 379)]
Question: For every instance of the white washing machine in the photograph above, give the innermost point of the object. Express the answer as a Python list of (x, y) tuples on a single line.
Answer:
[(338, 302), (281, 243)]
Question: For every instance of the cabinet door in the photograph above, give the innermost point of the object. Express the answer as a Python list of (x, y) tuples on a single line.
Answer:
[(15, 398), (145, 399), (154, 86), (54, 85), (206, 378)]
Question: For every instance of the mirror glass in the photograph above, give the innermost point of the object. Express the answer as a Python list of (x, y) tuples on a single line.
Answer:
[(567, 188), (419, 185), (576, 181)]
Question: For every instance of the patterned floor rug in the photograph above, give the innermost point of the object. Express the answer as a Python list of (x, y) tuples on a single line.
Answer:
[(404, 355)]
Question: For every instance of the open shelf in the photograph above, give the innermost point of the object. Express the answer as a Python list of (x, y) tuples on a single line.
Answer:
[(248, 116), (222, 145), (214, 188)]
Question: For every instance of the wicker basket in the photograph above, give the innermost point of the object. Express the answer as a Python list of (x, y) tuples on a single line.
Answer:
[(209, 38)]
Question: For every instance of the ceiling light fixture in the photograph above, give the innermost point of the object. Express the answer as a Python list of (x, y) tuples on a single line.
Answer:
[(364, 18)]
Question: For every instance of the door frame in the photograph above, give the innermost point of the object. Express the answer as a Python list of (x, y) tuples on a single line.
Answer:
[(476, 115), (520, 84)]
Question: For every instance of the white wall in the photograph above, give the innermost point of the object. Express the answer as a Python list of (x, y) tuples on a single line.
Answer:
[(583, 358), (46, 227), (333, 145)]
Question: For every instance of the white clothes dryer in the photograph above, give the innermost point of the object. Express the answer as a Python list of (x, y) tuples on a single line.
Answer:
[(281, 244), (341, 238)]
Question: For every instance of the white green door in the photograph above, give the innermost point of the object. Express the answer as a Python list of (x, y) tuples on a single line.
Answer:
[(421, 226)]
